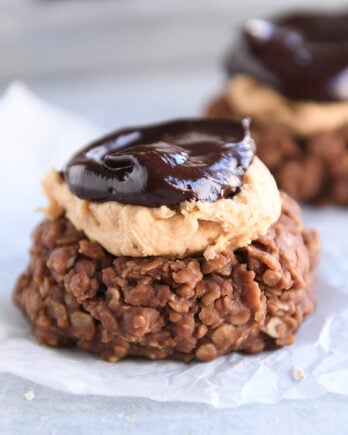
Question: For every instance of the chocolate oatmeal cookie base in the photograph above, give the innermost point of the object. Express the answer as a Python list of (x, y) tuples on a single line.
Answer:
[(313, 169), (75, 293)]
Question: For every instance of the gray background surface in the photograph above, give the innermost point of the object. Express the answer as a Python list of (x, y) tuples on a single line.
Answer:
[(52, 412)]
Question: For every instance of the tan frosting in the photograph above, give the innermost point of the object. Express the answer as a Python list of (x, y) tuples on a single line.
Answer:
[(248, 97), (196, 227)]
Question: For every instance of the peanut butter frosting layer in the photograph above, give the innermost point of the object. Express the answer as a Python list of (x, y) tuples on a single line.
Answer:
[(247, 96), (194, 227)]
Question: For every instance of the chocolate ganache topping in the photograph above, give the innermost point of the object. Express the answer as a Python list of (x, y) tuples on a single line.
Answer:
[(164, 164), (303, 55)]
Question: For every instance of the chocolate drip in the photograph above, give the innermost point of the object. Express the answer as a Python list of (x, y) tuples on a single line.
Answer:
[(302, 55), (164, 164)]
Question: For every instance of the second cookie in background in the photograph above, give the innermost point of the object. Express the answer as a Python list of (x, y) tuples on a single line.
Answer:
[(290, 75)]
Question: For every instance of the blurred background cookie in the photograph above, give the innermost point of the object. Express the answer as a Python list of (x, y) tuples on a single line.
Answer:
[(290, 75)]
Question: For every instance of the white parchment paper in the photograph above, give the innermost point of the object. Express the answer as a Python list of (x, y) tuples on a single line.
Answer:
[(35, 136)]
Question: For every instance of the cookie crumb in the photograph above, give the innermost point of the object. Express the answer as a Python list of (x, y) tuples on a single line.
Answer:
[(298, 374), (30, 395)]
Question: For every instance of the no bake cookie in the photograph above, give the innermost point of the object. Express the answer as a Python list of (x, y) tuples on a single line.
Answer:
[(290, 74), (169, 241)]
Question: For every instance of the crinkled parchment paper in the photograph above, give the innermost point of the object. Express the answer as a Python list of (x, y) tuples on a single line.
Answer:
[(35, 136)]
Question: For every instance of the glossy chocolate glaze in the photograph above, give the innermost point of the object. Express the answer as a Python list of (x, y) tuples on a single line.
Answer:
[(302, 55), (164, 164)]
